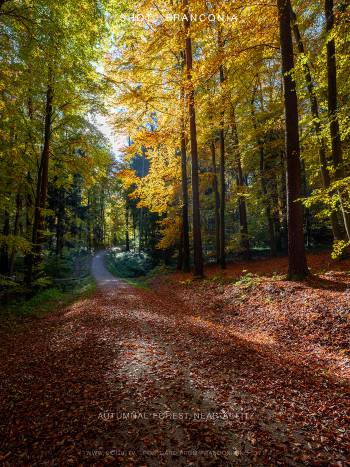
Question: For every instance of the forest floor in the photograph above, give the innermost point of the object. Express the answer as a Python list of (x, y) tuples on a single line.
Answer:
[(242, 368)]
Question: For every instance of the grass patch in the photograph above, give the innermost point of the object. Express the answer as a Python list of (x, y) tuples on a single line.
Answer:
[(43, 303)]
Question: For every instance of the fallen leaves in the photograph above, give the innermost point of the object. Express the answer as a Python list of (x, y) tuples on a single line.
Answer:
[(277, 366)]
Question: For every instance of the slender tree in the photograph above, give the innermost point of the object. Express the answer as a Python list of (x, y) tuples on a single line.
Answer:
[(337, 152), (197, 237), (185, 239), (326, 179), (216, 201)]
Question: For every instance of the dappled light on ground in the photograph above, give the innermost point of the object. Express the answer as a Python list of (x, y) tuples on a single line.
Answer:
[(173, 376)]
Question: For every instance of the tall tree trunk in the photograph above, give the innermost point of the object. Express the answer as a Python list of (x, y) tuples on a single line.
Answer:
[(4, 251), (15, 231), (88, 221), (222, 180), (61, 211), (42, 186), (185, 240), (269, 218), (297, 268), (197, 237), (216, 202), (326, 179), (242, 206), (337, 153), (127, 239)]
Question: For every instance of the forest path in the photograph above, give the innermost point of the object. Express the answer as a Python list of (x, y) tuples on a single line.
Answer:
[(133, 377)]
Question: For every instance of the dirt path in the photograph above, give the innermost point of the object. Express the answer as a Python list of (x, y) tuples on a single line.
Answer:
[(133, 377)]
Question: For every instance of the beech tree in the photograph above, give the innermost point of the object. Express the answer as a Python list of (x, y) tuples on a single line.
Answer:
[(296, 248)]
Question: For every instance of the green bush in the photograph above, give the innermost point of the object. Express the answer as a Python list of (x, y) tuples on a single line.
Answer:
[(129, 264)]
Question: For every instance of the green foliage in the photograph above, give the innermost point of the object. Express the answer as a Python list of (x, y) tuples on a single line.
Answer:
[(129, 264), (44, 302), (247, 280), (339, 248)]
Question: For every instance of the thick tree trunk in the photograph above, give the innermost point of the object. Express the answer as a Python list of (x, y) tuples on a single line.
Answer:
[(326, 179), (197, 237), (216, 202), (297, 268)]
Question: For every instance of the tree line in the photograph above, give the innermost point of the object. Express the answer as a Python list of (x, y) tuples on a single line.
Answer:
[(244, 125)]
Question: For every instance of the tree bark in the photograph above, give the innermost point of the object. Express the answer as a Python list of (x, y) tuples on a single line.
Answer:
[(222, 182), (15, 231), (297, 267), (242, 206), (4, 251), (185, 238), (197, 237), (269, 218), (42, 186), (127, 239), (216, 203), (61, 211)]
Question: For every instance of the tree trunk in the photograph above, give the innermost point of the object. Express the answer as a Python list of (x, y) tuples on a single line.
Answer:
[(88, 222), (15, 231), (216, 203), (60, 212), (4, 252), (197, 237), (297, 268), (42, 186), (185, 240), (222, 179), (326, 179), (269, 218), (242, 207), (127, 239), (337, 153)]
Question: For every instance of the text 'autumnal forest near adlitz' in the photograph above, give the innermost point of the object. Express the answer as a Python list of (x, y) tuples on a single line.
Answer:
[(174, 232)]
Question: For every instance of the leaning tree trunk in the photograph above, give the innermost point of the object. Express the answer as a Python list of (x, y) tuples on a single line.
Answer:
[(326, 179), (197, 237), (297, 267)]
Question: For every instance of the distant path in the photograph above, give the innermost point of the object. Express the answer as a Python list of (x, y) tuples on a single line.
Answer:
[(99, 271), (135, 377)]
